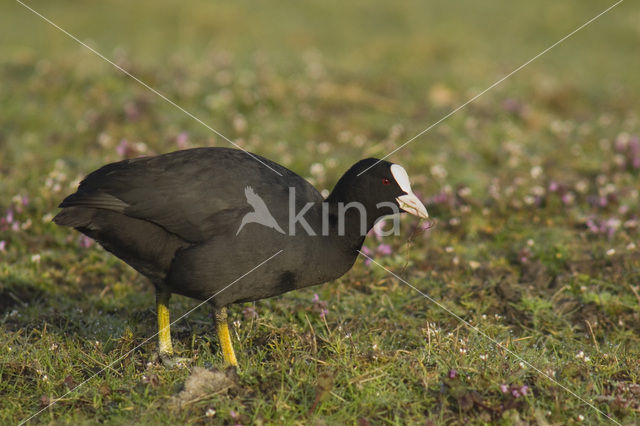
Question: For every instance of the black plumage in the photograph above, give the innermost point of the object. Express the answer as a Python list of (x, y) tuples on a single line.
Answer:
[(190, 221)]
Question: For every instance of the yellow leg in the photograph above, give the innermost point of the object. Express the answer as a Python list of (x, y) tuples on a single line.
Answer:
[(164, 333), (225, 338)]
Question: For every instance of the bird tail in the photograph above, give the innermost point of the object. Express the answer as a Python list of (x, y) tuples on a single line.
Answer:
[(74, 217)]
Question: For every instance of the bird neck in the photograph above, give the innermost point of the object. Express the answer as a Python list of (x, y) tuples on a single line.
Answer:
[(348, 222)]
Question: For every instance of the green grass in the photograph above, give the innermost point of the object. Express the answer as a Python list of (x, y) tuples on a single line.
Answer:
[(550, 273)]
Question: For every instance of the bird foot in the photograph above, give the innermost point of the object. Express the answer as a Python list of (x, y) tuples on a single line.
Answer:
[(174, 361), (170, 361), (232, 372)]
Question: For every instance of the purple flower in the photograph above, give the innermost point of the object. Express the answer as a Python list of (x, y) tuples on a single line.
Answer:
[(634, 145), (366, 251), (85, 242), (440, 198), (319, 306), (384, 249), (592, 226), (568, 198), (123, 148), (620, 145), (514, 390), (3, 245), (250, 312), (631, 149), (603, 201), (378, 229), (127, 149), (524, 255), (182, 139), (598, 226), (425, 225), (9, 216), (553, 186), (611, 225), (452, 374)]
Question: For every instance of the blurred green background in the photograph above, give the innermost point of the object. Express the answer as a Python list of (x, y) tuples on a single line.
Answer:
[(533, 189)]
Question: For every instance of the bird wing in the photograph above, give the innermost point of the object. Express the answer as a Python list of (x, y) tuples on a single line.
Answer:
[(194, 194)]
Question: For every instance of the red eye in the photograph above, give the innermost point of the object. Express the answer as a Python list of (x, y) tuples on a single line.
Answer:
[(385, 181)]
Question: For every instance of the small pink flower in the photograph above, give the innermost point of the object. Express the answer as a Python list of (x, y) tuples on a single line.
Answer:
[(440, 198), (367, 252), (425, 225), (319, 306), (378, 229), (250, 312), (524, 390), (122, 147), (126, 149), (504, 388), (524, 255), (603, 201), (384, 249), (634, 145), (452, 374), (568, 198), (3, 245), (620, 145), (85, 242), (592, 226), (182, 140)]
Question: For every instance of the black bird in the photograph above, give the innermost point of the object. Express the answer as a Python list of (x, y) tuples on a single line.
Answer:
[(177, 218)]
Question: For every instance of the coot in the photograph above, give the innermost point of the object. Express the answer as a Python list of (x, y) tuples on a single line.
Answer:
[(195, 221)]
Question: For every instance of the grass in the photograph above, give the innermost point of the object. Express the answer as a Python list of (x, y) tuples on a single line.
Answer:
[(533, 188)]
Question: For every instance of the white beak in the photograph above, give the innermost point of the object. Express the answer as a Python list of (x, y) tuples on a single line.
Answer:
[(412, 204)]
